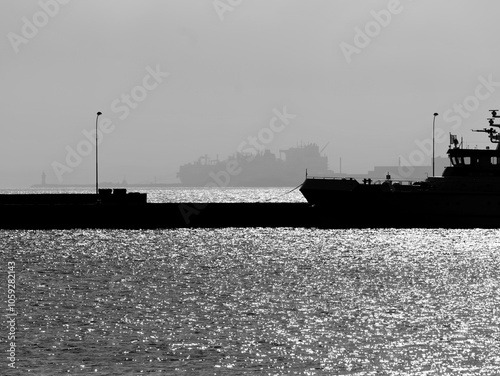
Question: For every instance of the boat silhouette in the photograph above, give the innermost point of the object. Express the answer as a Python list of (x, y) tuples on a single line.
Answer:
[(467, 194)]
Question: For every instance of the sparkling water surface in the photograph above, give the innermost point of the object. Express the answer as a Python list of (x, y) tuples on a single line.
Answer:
[(262, 301), (257, 301)]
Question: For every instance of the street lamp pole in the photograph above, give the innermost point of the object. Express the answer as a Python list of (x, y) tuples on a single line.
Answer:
[(97, 156), (433, 123)]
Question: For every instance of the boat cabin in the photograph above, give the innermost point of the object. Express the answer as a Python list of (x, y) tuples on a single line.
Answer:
[(468, 157), (475, 162)]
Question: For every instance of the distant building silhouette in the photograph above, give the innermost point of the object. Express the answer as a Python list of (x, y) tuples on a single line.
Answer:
[(409, 172)]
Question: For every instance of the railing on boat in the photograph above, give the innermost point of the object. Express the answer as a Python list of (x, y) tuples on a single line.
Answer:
[(369, 180)]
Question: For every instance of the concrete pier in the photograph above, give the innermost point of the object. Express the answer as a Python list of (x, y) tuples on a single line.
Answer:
[(153, 215), (218, 215)]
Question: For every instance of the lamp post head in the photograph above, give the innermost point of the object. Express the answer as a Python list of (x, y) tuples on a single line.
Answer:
[(99, 113), (436, 114)]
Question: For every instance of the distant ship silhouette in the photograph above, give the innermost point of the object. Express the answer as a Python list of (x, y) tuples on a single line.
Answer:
[(264, 169)]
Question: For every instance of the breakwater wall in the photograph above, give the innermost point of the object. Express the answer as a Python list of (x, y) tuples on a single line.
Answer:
[(218, 215), (155, 215)]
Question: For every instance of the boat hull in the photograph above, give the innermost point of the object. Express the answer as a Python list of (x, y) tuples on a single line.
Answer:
[(344, 202)]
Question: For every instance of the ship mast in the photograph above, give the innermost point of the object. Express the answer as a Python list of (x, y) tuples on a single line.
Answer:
[(493, 134)]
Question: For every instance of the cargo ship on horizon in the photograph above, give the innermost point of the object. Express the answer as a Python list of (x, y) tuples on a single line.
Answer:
[(264, 169)]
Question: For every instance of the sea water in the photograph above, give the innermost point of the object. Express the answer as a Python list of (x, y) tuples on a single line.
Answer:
[(255, 301)]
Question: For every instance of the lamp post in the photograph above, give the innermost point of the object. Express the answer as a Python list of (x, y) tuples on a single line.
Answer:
[(97, 155), (433, 123)]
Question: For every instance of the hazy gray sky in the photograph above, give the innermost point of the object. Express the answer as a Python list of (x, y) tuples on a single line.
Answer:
[(176, 79)]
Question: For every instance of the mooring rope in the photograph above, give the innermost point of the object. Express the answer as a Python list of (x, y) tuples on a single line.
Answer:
[(298, 186)]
